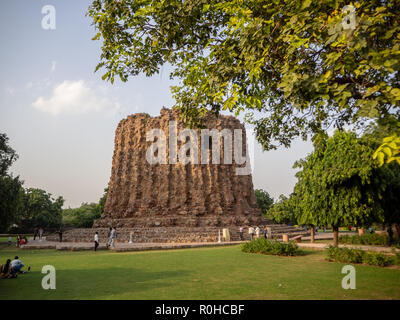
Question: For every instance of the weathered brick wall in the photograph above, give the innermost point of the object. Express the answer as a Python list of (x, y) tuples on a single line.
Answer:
[(165, 195)]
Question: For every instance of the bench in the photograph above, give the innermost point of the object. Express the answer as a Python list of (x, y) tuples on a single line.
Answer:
[(297, 239)]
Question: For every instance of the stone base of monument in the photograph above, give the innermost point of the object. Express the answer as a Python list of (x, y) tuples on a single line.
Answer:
[(172, 234)]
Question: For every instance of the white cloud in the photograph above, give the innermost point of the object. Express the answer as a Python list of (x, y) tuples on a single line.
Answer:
[(76, 97)]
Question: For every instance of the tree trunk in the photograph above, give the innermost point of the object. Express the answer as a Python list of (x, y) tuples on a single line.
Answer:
[(312, 234), (397, 226), (335, 236)]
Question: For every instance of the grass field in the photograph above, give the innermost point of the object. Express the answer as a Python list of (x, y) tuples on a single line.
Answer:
[(204, 273)]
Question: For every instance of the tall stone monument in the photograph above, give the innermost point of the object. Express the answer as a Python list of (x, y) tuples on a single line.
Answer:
[(151, 185)]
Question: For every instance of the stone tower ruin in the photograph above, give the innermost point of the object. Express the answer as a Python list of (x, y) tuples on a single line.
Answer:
[(165, 194)]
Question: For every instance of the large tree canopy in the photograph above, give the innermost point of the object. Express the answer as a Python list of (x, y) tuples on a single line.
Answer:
[(40, 209), (7, 154), (264, 200), (282, 211), (339, 184), (295, 64), (10, 187)]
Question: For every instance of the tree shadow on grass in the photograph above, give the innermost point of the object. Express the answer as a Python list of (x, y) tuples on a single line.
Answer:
[(102, 283), (308, 252)]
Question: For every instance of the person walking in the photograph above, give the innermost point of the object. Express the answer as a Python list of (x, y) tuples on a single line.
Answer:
[(113, 236), (241, 233), (96, 241), (60, 233), (109, 237), (257, 232), (40, 234), (251, 233), (35, 233), (265, 233), (389, 230), (131, 237)]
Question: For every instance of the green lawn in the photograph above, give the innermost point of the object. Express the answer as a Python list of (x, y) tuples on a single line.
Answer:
[(204, 273), (5, 239)]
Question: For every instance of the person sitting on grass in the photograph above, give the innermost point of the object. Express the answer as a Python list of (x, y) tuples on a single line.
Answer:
[(5, 270), (17, 265)]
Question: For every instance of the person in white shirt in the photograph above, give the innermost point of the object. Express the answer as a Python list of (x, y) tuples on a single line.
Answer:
[(17, 265), (113, 236), (257, 232), (251, 232), (96, 241)]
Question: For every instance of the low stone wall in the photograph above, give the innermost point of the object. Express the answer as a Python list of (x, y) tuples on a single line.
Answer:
[(171, 234)]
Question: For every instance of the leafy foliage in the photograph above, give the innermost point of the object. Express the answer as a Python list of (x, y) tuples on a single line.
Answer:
[(7, 154), (83, 216), (347, 255), (10, 187), (389, 149), (10, 200), (290, 64), (271, 247), (282, 211), (340, 184), (264, 200), (366, 239), (102, 201), (39, 209)]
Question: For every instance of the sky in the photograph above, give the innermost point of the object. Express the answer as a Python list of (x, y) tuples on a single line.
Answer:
[(61, 116)]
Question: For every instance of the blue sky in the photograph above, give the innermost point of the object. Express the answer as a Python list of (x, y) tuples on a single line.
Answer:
[(61, 117)]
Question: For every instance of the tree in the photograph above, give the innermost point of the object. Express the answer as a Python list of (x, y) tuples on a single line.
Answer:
[(339, 184), (295, 67), (10, 187), (282, 211), (102, 201), (11, 192), (7, 154), (40, 209), (83, 216), (264, 200)]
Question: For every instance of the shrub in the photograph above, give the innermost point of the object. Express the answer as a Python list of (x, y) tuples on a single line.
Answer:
[(366, 239), (348, 255), (271, 247), (344, 255)]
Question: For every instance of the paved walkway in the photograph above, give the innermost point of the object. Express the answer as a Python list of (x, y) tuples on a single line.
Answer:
[(328, 235), (121, 247)]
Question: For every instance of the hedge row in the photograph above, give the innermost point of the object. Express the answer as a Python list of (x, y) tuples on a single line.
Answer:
[(348, 255), (272, 247), (367, 239)]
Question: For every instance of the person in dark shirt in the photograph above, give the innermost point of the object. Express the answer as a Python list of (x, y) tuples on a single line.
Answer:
[(60, 233)]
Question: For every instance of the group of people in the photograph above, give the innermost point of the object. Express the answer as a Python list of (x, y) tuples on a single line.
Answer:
[(12, 268), (254, 232), (38, 233), (20, 241), (111, 236)]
